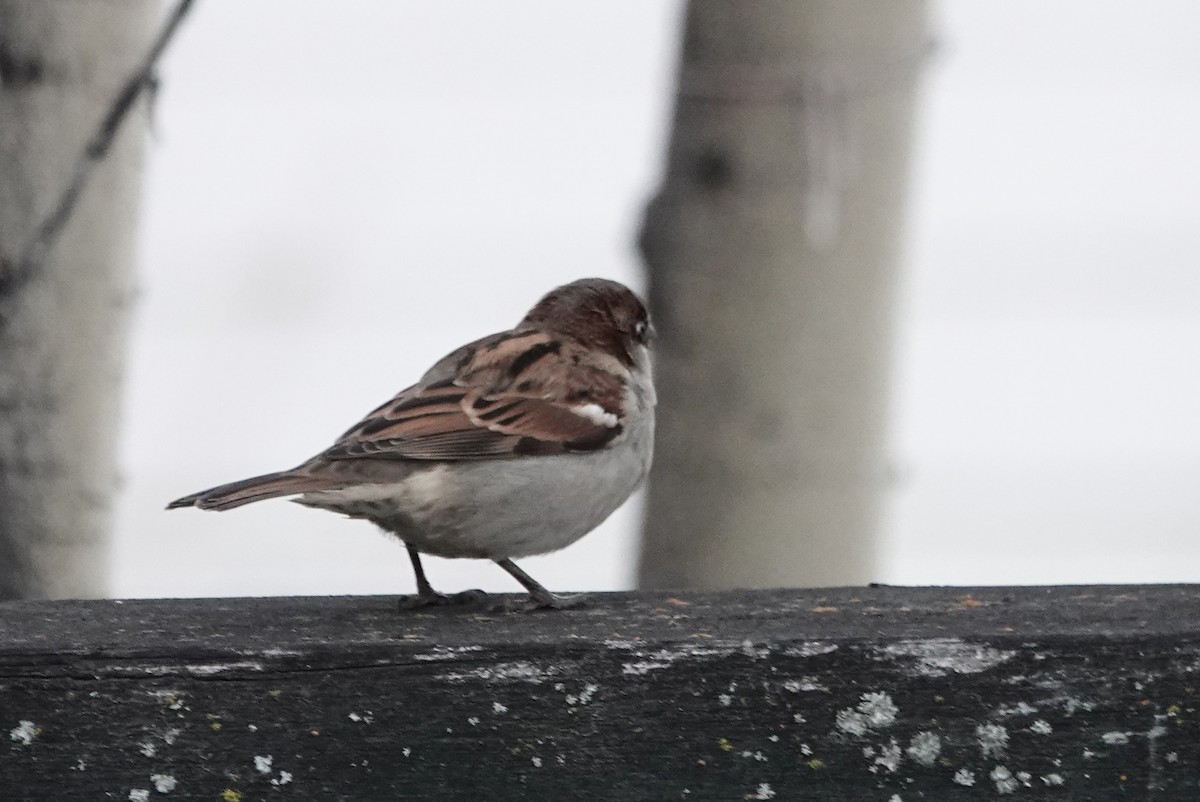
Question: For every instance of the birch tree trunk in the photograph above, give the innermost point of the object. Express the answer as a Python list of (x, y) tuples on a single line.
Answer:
[(772, 250), (62, 331)]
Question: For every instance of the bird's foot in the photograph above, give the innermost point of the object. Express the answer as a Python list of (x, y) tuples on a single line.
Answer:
[(539, 597), (433, 599)]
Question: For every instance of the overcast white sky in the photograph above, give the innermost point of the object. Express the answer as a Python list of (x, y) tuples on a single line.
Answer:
[(339, 193)]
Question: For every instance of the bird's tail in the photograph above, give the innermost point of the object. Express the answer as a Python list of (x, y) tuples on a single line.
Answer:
[(257, 488)]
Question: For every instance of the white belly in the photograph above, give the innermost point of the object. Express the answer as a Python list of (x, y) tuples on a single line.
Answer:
[(497, 509)]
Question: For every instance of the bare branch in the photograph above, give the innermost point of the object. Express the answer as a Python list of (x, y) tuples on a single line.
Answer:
[(15, 274)]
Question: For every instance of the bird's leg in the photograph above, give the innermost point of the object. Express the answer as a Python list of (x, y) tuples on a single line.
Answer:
[(426, 595), (424, 589), (542, 598)]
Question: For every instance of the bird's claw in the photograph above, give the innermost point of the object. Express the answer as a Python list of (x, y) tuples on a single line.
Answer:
[(418, 601)]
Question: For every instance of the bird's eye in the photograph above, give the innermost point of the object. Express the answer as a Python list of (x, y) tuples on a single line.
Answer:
[(641, 329)]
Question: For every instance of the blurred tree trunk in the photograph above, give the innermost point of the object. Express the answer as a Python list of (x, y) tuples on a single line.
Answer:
[(62, 331), (772, 251)]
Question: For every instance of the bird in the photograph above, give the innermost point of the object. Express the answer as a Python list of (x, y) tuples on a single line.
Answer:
[(516, 444)]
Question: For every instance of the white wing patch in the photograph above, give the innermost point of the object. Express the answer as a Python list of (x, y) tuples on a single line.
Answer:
[(596, 414)]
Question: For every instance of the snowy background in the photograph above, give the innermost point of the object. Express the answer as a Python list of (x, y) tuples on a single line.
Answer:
[(339, 193)]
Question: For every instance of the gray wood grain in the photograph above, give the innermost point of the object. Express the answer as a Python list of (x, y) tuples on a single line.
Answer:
[(848, 694)]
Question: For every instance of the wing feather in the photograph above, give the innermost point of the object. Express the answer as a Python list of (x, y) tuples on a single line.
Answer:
[(510, 395)]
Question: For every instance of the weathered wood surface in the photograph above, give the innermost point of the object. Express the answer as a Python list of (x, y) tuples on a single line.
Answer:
[(883, 694)]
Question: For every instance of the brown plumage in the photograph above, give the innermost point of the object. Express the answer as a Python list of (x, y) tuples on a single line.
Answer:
[(559, 383), (256, 488)]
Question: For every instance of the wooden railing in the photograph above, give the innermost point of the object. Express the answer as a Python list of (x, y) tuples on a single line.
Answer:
[(883, 694)]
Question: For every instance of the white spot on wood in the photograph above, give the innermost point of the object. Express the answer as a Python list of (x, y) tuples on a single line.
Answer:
[(851, 722), (889, 758), (725, 699), (275, 651), (1053, 779), (1005, 782), (643, 667), (993, 739), (964, 777), (163, 783), (937, 657), (754, 652), (148, 749), (446, 653), (536, 761), (406, 751), (1019, 709), (1071, 705), (202, 670), (805, 684), (663, 658), (139, 795), (924, 748), (285, 777), (1115, 738), (764, 791), (366, 717), (584, 696), (875, 711), (1041, 727), (170, 735), (80, 765), (498, 708), (473, 721), (518, 671), (262, 763), (810, 649), (24, 732)]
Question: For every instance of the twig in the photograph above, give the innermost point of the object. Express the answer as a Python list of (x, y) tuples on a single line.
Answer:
[(25, 266)]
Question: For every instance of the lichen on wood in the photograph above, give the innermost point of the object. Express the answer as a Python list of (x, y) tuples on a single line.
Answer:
[(853, 693)]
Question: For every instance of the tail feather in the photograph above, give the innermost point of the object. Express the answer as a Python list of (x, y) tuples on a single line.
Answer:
[(256, 488)]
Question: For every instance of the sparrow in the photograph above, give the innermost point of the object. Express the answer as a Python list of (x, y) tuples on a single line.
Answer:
[(516, 444)]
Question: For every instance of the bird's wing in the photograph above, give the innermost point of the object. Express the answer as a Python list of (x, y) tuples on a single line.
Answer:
[(509, 395)]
